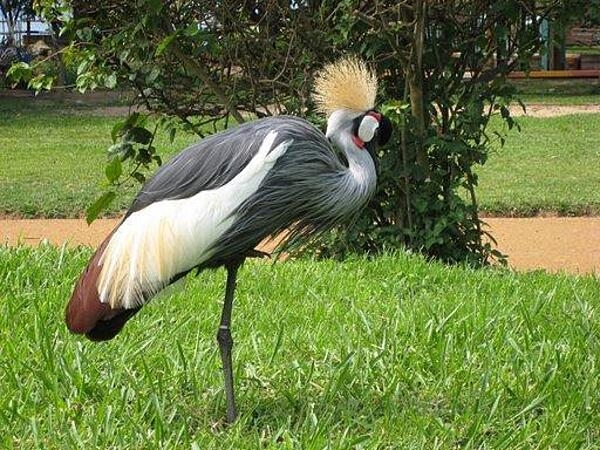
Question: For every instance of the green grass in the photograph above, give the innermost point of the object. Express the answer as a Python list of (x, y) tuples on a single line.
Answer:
[(556, 98), (550, 166), (584, 49), (559, 92), (53, 156), (392, 352)]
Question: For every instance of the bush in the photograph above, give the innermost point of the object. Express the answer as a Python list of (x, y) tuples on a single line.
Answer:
[(443, 67)]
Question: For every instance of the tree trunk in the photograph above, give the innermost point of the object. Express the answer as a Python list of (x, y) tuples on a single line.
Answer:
[(414, 75), (10, 23)]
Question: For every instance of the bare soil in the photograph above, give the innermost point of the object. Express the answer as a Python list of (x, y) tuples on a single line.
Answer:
[(555, 244), (545, 110), (102, 103), (73, 232)]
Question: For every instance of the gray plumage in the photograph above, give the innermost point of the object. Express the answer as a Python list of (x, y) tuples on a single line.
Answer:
[(307, 192), (208, 164), (214, 202)]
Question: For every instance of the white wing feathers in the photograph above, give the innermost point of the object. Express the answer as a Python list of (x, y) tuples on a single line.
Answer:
[(169, 237)]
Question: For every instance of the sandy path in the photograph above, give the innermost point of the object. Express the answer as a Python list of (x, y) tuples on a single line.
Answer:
[(570, 244), (57, 231), (545, 110)]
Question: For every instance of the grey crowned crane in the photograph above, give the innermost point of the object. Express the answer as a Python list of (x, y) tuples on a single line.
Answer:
[(214, 202)]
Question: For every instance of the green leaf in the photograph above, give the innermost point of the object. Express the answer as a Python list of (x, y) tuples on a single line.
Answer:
[(132, 120), (47, 82), (117, 130), (101, 203), (40, 82), (82, 67), (19, 71), (113, 170), (172, 132), (85, 34), (127, 152), (192, 30), (139, 177), (135, 119), (155, 6), (140, 135), (143, 156), (153, 75), (116, 149), (164, 44), (110, 82)]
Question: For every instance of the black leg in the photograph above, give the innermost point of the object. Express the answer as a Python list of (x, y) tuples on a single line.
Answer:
[(226, 341)]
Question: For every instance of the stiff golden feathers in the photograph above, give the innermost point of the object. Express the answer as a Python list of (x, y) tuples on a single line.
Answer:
[(345, 84)]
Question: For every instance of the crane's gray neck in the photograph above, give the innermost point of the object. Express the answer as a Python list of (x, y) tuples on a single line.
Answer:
[(361, 170), (357, 183)]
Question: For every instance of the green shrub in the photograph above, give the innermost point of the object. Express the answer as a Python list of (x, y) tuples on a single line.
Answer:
[(442, 65)]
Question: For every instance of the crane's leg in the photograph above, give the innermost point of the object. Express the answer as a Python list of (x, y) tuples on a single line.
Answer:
[(226, 341)]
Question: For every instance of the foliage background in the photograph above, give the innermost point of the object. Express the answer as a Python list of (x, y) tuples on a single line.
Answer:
[(442, 66)]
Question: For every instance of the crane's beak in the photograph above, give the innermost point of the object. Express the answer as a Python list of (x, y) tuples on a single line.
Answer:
[(382, 136), (385, 130)]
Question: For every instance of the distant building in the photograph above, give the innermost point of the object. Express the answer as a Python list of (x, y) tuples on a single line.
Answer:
[(26, 31)]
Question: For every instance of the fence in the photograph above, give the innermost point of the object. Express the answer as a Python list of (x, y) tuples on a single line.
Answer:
[(25, 32), (583, 36)]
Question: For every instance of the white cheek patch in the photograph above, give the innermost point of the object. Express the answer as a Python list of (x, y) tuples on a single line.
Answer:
[(368, 127)]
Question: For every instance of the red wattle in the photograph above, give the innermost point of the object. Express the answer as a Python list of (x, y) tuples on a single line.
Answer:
[(375, 114), (358, 141)]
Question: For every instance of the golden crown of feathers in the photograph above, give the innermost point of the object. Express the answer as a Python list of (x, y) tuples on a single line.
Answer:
[(348, 84)]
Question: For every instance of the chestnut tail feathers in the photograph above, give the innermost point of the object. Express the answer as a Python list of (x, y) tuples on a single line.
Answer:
[(86, 314)]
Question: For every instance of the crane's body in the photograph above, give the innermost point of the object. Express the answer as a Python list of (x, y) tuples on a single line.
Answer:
[(214, 202)]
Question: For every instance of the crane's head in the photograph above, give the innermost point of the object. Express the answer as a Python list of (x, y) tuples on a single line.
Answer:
[(345, 92)]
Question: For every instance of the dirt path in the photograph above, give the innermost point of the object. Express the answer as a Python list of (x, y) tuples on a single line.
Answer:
[(545, 110), (56, 231), (570, 244)]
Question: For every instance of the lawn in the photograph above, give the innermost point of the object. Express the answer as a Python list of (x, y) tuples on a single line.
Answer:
[(559, 92), (550, 166), (52, 157), (392, 352)]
